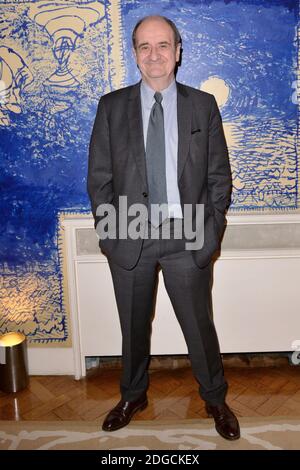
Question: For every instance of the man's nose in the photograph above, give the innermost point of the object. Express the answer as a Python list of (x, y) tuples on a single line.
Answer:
[(154, 53)]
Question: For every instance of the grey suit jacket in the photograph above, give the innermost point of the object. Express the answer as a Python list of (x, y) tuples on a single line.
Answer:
[(117, 165)]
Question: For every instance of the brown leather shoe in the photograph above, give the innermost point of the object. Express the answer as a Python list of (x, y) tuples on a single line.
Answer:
[(226, 422), (122, 413)]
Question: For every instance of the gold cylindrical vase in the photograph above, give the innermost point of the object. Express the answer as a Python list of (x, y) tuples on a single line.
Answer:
[(13, 362)]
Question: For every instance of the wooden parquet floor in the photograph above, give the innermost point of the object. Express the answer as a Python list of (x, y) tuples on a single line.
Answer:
[(173, 394)]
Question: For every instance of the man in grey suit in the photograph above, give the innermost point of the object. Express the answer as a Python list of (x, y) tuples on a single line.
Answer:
[(159, 142)]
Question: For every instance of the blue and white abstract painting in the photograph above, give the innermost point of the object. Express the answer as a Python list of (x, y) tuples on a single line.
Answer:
[(58, 58)]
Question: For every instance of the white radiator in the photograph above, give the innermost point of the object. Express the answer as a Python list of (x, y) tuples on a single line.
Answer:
[(256, 291)]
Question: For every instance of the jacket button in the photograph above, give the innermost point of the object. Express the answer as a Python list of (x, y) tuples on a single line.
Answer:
[(145, 194)]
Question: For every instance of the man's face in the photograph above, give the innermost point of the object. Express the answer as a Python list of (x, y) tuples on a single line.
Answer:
[(155, 51)]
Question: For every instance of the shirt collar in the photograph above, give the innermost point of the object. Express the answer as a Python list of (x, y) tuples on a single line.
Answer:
[(148, 93)]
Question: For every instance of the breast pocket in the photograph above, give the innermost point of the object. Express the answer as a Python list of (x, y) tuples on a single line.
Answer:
[(198, 147)]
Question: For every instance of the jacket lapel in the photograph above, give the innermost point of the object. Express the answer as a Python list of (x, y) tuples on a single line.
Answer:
[(184, 118), (136, 136)]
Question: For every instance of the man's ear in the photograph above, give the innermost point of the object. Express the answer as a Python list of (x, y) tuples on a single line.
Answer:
[(134, 54), (178, 52), (178, 55)]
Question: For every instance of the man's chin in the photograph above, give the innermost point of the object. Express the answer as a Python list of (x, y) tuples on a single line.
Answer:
[(156, 71), (157, 75)]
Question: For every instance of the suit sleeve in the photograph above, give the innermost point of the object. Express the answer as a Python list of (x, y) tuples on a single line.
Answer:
[(219, 173), (99, 180)]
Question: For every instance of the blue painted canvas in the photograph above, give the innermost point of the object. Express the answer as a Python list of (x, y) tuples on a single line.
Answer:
[(58, 58)]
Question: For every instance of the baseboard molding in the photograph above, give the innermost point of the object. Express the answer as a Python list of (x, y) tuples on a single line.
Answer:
[(174, 361)]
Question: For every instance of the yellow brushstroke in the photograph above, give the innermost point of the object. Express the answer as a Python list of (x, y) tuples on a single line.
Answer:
[(117, 60)]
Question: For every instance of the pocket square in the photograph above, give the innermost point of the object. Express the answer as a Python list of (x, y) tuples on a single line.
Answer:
[(195, 130)]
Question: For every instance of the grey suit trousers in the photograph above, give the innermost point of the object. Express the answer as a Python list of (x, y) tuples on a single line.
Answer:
[(189, 289)]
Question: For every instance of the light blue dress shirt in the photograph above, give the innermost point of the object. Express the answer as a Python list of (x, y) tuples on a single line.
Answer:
[(169, 104)]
